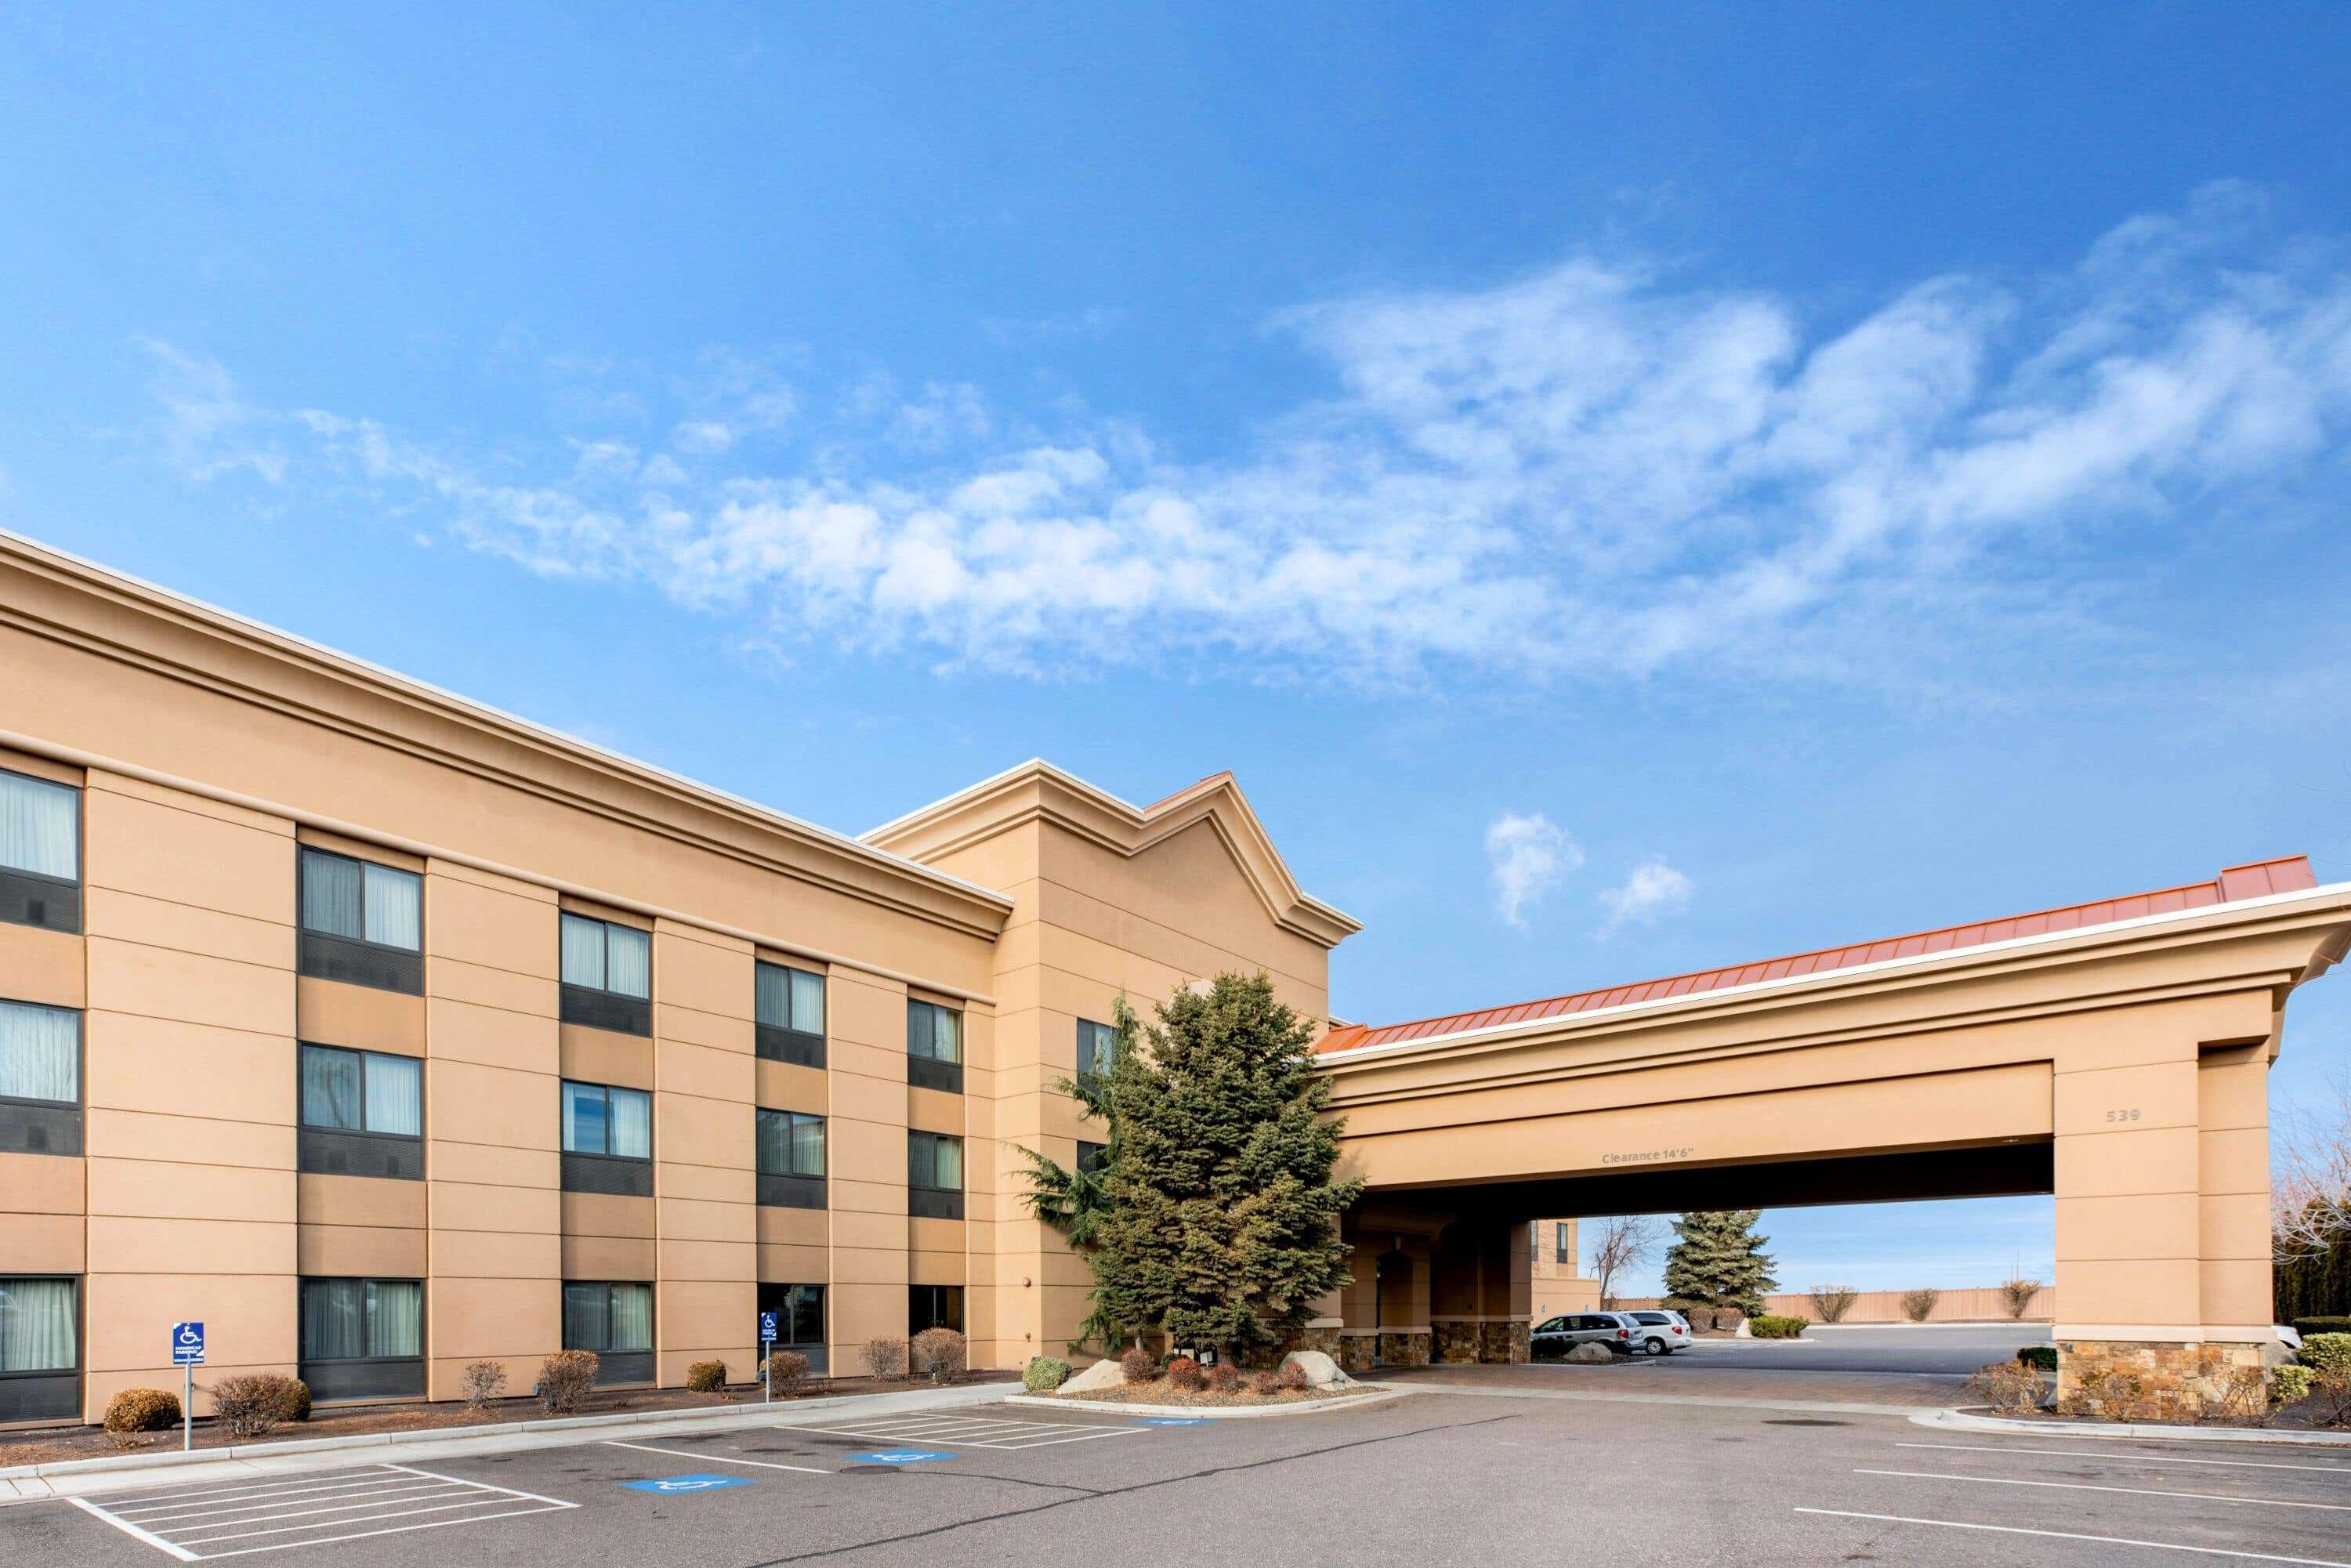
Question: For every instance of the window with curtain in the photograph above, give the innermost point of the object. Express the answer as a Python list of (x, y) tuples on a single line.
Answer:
[(790, 1142), (40, 1053), (935, 1161), (361, 900), (789, 999), (608, 1317), (1560, 1247), (362, 1319), (362, 1091), (933, 1032), (800, 1313), (602, 1120), (600, 956), (36, 1324), (1097, 1049), (40, 826)]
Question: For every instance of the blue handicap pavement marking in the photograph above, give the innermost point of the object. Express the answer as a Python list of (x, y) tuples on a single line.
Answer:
[(900, 1457), (1175, 1421), (688, 1483)]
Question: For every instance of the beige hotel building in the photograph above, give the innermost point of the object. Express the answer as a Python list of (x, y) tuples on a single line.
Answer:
[(383, 1032)]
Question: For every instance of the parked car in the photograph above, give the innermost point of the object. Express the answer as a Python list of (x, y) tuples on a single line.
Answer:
[(1659, 1332), (1557, 1336)]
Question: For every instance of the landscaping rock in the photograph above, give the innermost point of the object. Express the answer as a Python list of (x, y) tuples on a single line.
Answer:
[(1590, 1354), (1321, 1371), (1094, 1379)]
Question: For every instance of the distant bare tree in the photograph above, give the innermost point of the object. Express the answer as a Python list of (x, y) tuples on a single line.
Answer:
[(1833, 1301), (2310, 1189), (2017, 1295), (1617, 1249)]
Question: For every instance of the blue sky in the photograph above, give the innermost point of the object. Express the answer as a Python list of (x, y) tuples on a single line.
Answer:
[(1625, 489)]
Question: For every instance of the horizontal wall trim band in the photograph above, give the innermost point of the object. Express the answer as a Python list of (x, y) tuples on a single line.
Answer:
[(295, 814), (2167, 1334)]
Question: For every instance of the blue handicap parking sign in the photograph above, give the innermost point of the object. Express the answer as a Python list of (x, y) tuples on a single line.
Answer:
[(1177, 1421), (688, 1483), (187, 1344), (766, 1328), (900, 1457)]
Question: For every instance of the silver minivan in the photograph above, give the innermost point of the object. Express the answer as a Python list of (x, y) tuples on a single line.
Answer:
[(1557, 1336)]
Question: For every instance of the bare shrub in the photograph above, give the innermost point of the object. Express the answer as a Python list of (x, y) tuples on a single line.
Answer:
[(787, 1373), (1268, 1383), (1138, 1364), (2243, 1395), (1292, 1378), (1700, 1318), (481, 1382), (1183, 1374), (252, 1403), (141, 1410), (1919, 1305), (705, 1378), (2017, 1296), (937, 1354), (2010, 1387), (1833, 1301), (2114, 1395), (564, 1380), (885, 1358), (1224, 1378)]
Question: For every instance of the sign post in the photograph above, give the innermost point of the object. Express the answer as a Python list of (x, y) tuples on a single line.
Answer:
[(187, 1354), (767, 1355)]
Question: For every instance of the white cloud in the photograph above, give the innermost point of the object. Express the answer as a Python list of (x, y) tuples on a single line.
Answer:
[(1653, 891), (1593, 471), (1527, 856)]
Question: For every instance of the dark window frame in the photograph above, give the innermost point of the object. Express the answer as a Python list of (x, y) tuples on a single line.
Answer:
[(350, 1371), (611, 1175), (602, 1006), (786, 1040), (21, 1115), (317, 1144), (926, 1200), (939, 1297), (1561, 1251), (925, 1068), (788, 1320), (49, 1393), (791, 1188), (14, 882), (613, 1366), (357, 960), (1090, 1156)]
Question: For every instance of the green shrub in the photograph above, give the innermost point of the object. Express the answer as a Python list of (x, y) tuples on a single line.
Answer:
[(143, 1410), (293, 1400), (2327, 1352), (1045, 1373), (2289, 1383), (787, 1373), (705, 1378), (2040, 1357), (1772, 1327), (2306, 1327)]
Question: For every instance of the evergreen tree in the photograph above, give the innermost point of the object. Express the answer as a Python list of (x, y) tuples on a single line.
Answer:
[(1215, 1217), (1718, 1260)]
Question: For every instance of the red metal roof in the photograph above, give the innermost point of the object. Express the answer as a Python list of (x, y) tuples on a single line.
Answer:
[(2290, 874)]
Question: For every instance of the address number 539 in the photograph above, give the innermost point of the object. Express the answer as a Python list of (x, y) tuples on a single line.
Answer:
[(2129, 1115)]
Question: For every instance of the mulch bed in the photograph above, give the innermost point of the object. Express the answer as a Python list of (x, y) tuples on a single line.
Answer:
[(50, 1445), (1161, 1394)]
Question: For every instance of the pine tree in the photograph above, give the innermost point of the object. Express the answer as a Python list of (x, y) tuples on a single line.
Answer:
[(1718, 1260), (1216, 1220)]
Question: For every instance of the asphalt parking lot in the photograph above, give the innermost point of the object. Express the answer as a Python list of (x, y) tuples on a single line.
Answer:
[(1431, 1477)]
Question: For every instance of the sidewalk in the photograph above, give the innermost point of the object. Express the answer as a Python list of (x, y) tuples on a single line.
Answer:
[(154, 1466)]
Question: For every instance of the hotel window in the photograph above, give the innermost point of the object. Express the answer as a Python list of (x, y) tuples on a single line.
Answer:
[(40, 1356), (934, 1307), (791, 1159), (615, 1319), (1562, 1246), (607, 975), (608, 1140), (1091, 1156), (40, 1080), (1097, 1052), (362, 924), (362, 1113), (40, 853), (788, 1005), (363, 1339), (933, 1047), (934, 1176), (800, 1321)]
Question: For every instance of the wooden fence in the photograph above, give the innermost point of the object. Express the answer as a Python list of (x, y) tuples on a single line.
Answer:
[(1982, 1303)]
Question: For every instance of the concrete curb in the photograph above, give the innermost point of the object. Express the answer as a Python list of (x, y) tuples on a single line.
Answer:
[(1961, 1421), (1376, 1394), (509, 1433), (1713, 1401)]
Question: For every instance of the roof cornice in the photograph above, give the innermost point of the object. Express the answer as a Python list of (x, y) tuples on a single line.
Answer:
[(1036, 790), (54, 594)]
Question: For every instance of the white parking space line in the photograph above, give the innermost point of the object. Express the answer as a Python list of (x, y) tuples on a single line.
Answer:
[(973, 1431), (199, 1525), (2131, 1491), (2075, 1535), (2128, 1458), (715, 1459)]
